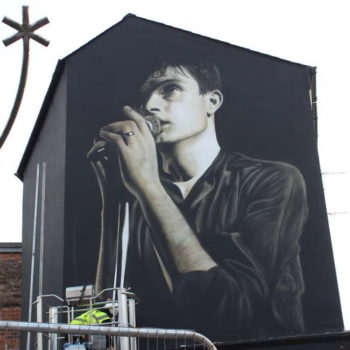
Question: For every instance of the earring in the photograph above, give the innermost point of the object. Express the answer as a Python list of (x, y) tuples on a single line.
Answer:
[(208, 115)]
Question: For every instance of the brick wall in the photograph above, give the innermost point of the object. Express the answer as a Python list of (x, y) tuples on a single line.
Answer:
[(10, 292)]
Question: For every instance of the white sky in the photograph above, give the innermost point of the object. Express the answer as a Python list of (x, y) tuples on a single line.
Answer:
[(312, 32)]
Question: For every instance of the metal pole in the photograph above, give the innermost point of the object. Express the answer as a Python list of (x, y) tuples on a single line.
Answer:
[(53, 318), (132, 322), (123, 316), (33, 250), (39, 319), (39, 315), (42, 227), (25, 31), (132, 316), (22, 80), (109, 331)]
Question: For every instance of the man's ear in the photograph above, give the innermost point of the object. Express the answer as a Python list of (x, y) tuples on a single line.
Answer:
[(215, 99)]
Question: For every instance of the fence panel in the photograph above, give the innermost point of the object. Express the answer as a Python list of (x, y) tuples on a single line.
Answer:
[(75, 337)]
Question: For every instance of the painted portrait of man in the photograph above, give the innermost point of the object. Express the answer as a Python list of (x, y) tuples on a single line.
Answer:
[(213, 234)]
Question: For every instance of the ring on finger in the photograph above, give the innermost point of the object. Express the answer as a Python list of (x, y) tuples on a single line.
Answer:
[(129, 133)]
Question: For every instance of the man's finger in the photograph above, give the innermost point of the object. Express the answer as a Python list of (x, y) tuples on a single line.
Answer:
[(98, 147), (114, 138), (136, 117), (122, 127)]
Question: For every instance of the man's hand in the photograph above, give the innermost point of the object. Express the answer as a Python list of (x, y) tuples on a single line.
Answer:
[(136, 151)]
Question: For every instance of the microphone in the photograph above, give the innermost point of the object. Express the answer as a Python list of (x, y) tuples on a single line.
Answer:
[(100, 151), (153, 124)]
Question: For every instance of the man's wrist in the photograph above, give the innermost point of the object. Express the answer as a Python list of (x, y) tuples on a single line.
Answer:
[(151, 190)]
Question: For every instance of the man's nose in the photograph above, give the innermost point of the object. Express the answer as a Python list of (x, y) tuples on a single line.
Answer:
[(154, 103)]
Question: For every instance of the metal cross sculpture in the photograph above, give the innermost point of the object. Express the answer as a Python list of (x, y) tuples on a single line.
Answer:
[(25, 31)]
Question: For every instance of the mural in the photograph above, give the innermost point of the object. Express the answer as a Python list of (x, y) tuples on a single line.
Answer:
[(193, 179), (214, 234)]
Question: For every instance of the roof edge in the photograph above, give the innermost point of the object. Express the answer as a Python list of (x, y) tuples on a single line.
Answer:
[(10, 247), (40, 120)]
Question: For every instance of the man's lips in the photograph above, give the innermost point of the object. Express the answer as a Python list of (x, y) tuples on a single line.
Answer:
[(164, 126)]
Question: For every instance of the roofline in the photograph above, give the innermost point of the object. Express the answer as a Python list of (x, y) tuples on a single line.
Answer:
[(10, 247), (40, 120)]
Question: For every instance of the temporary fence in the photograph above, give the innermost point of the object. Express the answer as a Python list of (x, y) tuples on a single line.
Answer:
[(56, 336)]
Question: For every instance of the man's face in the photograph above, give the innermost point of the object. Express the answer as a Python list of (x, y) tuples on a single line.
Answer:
[(174, 98)]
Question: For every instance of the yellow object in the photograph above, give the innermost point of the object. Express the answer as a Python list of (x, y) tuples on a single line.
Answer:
[(91, 317)]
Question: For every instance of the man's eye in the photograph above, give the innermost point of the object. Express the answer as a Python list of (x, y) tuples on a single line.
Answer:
[(170, 89)]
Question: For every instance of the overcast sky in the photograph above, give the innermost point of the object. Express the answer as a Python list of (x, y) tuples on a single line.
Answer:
[(311, 32)]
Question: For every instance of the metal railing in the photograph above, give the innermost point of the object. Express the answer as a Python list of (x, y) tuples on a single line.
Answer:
[(183, 338)]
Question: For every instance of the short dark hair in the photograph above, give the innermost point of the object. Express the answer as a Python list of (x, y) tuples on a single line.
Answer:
[(206, 74)]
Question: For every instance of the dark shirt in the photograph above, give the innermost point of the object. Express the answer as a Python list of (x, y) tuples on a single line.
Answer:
[(248, 214)]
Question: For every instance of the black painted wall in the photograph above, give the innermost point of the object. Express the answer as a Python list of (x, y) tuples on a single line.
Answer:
[(50, 148)]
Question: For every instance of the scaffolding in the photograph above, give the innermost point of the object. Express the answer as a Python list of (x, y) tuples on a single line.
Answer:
[(119, 332)]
